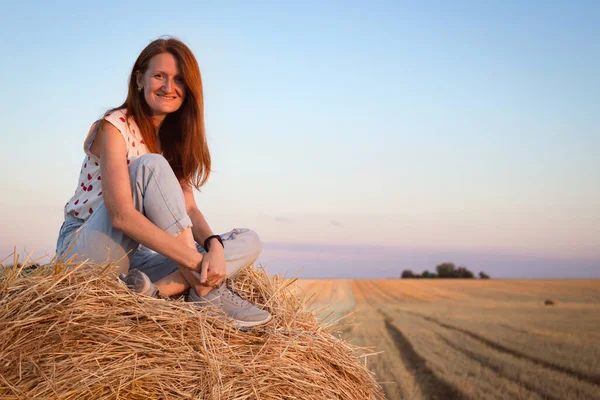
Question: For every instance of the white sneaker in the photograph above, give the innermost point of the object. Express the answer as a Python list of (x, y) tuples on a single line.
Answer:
[(237, 308), (140, 283)]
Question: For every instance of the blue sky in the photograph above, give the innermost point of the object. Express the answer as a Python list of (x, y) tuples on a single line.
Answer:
[(353, 136)]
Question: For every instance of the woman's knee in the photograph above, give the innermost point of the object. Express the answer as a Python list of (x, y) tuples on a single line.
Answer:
[(153, 161), (243, 246), (149, 165), (254, 245)]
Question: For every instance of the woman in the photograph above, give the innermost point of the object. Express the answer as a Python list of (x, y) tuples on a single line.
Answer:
[(143, 160)]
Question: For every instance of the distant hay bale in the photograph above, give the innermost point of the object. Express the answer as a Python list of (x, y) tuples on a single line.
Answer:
[(549, 302), (77, 333)]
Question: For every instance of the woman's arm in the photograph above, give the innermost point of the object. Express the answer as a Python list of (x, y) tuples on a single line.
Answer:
[(215, 258), (109, 146), (200, 228)]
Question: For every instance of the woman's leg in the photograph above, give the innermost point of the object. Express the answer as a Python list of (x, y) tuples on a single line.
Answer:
[(242, 248), (156, 193)]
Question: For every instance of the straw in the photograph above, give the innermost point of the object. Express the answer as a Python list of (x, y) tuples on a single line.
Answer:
[(75, 332)]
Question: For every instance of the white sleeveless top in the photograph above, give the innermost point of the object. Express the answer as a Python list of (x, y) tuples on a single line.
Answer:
[(88, 195)]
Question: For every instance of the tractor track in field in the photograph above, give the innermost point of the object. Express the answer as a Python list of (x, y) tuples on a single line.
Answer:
[(589, 378), (407, 297), (384, 295), (431, 385), (482, 361)]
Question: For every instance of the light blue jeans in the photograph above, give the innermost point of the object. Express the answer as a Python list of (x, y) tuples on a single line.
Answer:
[(158, 195)]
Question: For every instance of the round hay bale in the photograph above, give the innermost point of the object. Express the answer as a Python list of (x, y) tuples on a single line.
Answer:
[(78, 333), (549, 302)]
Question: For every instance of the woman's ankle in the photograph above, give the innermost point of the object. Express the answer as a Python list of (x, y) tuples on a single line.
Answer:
[(202, 290), (173, 284)]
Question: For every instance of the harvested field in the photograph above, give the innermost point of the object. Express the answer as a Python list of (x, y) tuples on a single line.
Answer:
[(474, 339)]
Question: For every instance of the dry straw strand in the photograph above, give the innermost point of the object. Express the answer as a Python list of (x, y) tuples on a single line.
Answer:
[(72, 331)]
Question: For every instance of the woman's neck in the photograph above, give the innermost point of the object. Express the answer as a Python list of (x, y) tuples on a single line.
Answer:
[(157, 120)]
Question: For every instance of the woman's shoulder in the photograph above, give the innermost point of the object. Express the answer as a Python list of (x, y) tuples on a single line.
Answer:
[(118, 118), (125, 123)]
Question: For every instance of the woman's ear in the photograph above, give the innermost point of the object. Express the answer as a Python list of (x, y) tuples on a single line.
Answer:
[(139, 79)]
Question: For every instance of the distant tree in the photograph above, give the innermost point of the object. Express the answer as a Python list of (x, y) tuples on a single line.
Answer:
[(463, 273), (449, 270), (483, 275), (446, 270), (427, 274), (407, 273)]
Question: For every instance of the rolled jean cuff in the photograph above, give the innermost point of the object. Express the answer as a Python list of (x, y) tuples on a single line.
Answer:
[(179, 226)]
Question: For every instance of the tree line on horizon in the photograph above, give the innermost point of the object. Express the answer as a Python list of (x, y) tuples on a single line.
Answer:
[(444, 271)]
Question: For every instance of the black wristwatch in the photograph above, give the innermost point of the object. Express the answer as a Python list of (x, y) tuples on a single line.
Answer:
[(208, 239)]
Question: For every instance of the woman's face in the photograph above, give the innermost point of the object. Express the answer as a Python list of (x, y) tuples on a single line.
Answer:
[(163, 86)]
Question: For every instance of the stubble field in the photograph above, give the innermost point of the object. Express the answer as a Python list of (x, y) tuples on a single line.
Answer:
[(471, 339)]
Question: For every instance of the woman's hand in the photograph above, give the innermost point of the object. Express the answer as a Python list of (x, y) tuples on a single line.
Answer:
[(213, 269)]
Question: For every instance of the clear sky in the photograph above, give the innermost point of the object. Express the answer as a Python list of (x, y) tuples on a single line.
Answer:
[(357, 138)]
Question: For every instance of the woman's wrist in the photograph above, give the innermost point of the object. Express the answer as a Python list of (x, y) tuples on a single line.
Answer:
[(196, 262), (213, 242)]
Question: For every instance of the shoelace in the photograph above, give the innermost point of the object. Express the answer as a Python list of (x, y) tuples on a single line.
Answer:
[(234, 294)]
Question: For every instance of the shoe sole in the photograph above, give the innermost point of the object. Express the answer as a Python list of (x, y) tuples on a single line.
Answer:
[(249, 324)]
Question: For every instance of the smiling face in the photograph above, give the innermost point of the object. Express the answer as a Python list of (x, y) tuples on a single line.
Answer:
[(163, 85)]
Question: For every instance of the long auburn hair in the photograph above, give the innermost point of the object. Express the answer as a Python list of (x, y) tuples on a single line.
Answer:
[(182, 137)]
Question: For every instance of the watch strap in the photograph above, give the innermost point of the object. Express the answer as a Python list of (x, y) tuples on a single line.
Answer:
[(208, 239)]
